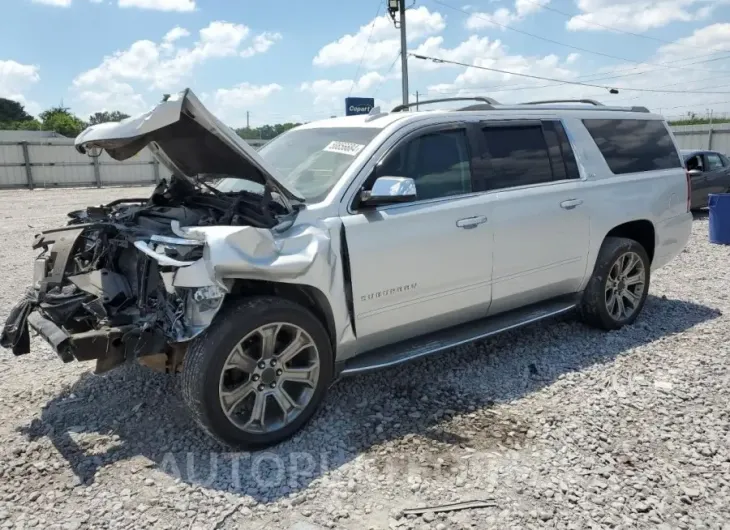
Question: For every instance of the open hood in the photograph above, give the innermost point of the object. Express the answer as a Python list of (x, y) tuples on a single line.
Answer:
[(188, 140)]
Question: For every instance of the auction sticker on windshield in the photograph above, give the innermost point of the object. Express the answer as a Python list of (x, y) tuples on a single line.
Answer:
[(345, 148)]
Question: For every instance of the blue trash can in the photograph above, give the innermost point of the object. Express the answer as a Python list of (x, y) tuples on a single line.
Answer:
[(719, 204)]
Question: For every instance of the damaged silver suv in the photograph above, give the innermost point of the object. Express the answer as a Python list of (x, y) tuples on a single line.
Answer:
[(351, 244)]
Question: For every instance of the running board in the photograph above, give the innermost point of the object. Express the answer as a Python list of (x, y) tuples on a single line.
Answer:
[(414, 348)]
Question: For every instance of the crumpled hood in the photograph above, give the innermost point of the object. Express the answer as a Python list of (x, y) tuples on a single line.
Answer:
[(188, 140)]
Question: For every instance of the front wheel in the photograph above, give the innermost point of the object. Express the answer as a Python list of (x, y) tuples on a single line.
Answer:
[(617, 291), (258, 373)]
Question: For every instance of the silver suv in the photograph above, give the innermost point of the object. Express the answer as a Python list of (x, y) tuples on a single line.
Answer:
[(352, 244)]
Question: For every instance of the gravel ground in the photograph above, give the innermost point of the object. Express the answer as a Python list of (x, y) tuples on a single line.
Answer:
[(555, 425)]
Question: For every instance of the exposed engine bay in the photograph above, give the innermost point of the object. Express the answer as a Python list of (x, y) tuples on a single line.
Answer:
[(103, 285)]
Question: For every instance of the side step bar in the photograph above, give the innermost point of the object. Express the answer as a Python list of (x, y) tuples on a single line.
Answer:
[(414, 348)]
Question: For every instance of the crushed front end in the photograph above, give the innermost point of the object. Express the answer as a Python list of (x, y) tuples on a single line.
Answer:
[(121, 283)]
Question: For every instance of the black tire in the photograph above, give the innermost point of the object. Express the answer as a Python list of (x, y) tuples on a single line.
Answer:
[(209, 352), (593, 308)]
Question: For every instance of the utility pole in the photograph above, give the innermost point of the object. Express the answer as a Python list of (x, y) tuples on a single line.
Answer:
[(416, 99), (399, 6), (247, 124)]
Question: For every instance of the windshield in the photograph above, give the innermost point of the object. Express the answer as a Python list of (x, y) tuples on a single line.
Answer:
[(309, 160)]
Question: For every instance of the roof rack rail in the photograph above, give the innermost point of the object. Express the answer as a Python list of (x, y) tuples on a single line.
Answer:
[(589, 101), (487, 101)]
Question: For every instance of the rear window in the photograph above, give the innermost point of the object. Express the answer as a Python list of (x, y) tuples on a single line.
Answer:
[(632, 146)]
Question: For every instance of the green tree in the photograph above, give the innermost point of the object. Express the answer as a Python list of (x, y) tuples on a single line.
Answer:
[(24, 125), (105, 116), (11, 111), (265, 132), (62, 121)]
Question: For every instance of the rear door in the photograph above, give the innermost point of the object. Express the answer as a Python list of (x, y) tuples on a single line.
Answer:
[(540, 219), (716, 174)]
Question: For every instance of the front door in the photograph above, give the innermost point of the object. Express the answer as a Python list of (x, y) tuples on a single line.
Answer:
[(425, 265)]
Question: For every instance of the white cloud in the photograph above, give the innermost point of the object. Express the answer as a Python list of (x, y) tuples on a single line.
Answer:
[(54, 3), (164, 65), (231, 104), (114, 96), (15, 79), (384, 40), (503, 16), (331, 94), (158, 5), (710, 39), (175, 34), (261, 44), (637, 15)]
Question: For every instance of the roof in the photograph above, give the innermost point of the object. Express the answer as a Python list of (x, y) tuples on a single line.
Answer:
[(27, 136), (379, 119)]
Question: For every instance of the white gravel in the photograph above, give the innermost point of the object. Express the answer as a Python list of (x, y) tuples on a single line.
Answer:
[(555, 425)]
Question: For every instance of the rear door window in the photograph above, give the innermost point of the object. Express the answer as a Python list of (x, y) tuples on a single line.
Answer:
[(713, 162), (632, 146), (518, 154)]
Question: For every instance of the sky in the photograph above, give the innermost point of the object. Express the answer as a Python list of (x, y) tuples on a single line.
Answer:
[(296, 60)]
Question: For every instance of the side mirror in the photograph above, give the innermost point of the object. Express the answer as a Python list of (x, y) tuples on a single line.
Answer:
[(694, 172), (389, 190)]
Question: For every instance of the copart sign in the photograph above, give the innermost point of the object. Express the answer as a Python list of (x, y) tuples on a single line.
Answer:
[(355, 106)]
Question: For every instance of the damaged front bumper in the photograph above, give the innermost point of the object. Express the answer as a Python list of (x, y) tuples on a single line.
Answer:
[(111, 317)]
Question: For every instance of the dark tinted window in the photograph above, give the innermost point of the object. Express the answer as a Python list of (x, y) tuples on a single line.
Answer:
[(725, 161), (695, 162), (519, 156), (571, 166), (438, 163), (630, 146)]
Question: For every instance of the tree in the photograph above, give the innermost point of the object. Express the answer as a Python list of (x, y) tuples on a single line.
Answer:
[(24, 125), (12, 111), (60, 120), (265, 132), (105, 116)]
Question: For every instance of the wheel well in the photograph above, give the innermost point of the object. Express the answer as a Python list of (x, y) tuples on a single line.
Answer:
[(641, 231), (304, 295)]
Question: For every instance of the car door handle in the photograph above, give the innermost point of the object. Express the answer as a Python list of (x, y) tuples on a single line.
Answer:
[(570, 204), (471, 222)]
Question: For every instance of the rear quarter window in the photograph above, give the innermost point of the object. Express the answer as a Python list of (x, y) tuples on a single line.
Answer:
[(633, 146)]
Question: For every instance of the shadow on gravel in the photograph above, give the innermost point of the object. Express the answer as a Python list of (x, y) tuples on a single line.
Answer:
[(134, 414), (700, 214)]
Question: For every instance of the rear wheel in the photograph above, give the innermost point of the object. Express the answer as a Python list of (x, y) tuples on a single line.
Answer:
[(258, 373), (617, 291)]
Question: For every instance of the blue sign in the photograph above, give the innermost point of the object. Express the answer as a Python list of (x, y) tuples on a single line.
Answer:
[(355, 106)]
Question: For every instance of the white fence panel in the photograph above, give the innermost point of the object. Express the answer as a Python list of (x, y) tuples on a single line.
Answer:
[(13, 173), (714, 137)]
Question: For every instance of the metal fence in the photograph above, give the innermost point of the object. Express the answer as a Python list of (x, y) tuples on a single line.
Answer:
[(54, 163), (714, 137)]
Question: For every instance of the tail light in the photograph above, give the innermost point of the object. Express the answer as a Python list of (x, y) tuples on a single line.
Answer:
[(689, 190)]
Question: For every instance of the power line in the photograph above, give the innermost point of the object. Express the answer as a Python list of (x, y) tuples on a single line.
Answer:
[(561, 81), (503, 88), (552, 41), (375, 92), (611, 28), (367, 45)]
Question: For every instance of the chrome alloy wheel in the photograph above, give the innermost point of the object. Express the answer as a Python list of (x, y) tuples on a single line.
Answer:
[(625, 286), (269, 378)]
